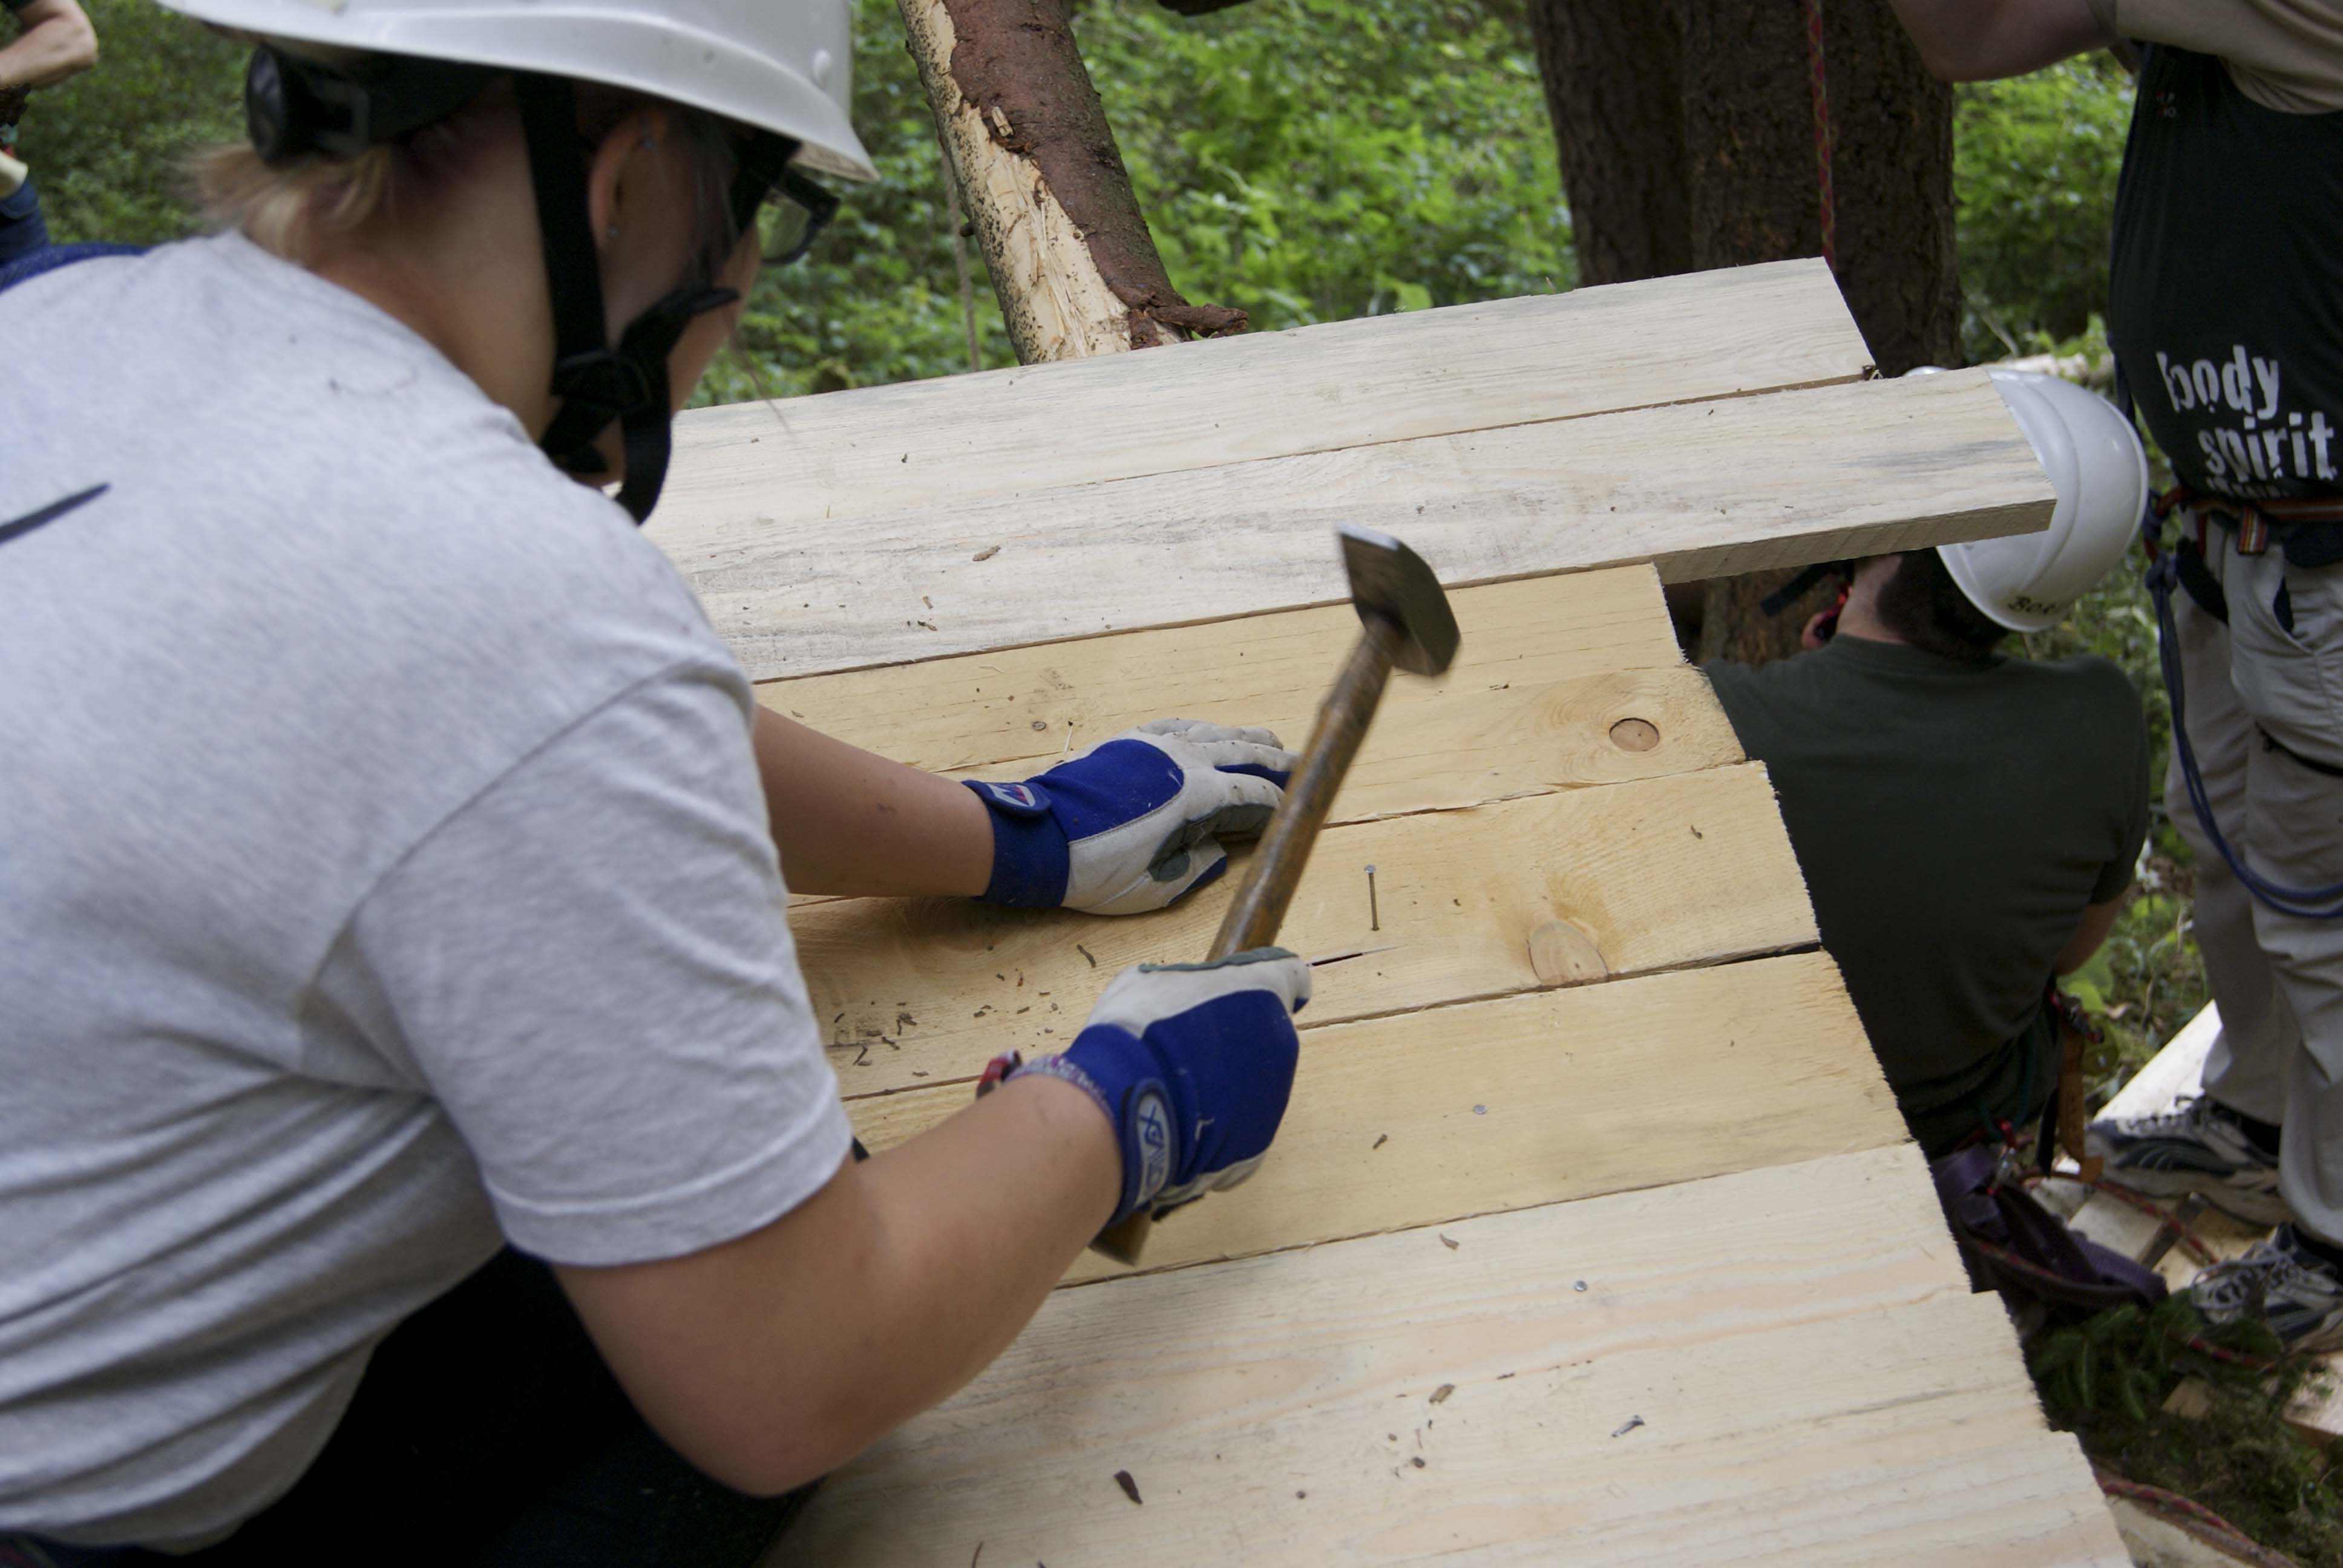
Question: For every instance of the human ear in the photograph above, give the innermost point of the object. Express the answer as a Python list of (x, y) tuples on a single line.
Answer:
[(614, 168)]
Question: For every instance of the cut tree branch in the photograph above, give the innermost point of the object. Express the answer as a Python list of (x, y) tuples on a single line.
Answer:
[(1041, 176)]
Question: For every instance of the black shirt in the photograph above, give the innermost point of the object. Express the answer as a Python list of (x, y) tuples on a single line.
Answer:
[(1954, 821), (2224, 298)]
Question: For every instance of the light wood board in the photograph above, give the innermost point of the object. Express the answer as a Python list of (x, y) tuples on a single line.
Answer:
[(2174, 1074), (1546, 667), (1494, 1105), (1660, 874), (1733, 1383), (1699, 490), (1260, 395)]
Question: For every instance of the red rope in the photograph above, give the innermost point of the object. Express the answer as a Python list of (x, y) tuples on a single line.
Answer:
[(1822, 131), (2156, 1497)]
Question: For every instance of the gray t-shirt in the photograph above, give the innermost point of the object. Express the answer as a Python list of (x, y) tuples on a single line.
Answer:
[(384, 875)]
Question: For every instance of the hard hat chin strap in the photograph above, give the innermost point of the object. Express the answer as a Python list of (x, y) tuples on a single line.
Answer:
[(598, 385), (296, 106)]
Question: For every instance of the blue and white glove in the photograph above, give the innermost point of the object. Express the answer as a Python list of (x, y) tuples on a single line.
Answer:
[(1192, 1063), (1135, 821)]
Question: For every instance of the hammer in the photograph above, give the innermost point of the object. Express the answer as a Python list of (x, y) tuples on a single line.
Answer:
[(1404, 623)]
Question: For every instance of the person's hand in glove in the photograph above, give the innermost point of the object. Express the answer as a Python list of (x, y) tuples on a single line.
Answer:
[(1134, 822), (1192, 1064)]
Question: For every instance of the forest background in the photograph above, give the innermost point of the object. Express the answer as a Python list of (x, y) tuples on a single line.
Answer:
[(1307, 160)]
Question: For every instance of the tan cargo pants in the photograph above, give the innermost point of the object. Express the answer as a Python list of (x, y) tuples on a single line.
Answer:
[(2279, 978)]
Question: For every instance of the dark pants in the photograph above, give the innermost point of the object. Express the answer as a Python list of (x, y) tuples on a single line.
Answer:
[(487, 1432), (22, 230)]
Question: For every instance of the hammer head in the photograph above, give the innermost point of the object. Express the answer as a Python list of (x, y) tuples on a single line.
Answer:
[(1390, 581)]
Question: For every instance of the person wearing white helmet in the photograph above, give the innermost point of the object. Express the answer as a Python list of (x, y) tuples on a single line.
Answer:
[(2221, 311), (419, 1144), (1967, 821)]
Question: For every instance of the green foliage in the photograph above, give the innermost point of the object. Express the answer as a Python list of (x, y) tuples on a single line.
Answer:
[(2148, 981), (105, 146), (879, 299), (2106, 1379), (1311, 160), (2035, 161), (1306, 160)]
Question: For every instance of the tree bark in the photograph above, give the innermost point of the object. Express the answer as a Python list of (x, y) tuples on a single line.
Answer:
[(1740, 154), (1026, 141), (1892, 126), (1613, 88)]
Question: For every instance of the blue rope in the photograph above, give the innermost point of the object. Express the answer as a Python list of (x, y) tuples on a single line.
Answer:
[(2307, 903)]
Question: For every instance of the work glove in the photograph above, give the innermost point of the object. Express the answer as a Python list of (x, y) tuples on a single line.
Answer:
[(1134, 823), (1192, 1064)]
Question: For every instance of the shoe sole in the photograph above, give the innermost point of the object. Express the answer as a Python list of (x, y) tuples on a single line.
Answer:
[(2265, 1208)]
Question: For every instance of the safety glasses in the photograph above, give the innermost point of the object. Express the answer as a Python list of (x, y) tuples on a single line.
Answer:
[(787, 210), (792, 217)]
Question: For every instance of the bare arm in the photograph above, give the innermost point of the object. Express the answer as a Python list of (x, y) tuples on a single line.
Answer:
[(849, 821), (2090, 933), (770, 1361), (58, 42), (1981, 40)]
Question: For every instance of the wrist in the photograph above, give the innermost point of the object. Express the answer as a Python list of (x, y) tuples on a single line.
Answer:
[(1069, 1123), (1120, 1076), (1032, 862)]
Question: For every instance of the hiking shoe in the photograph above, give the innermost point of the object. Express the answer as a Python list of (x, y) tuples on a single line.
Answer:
[(2198, 1148), (2297, 1292)]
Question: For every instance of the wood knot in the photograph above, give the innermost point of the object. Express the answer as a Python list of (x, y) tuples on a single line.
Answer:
[(1635, 735), (1564, 954)]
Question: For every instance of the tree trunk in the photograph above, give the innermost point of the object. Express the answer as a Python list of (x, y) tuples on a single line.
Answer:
[(1892, 126), (1026, 139), (1741, 153), (1613, 88)]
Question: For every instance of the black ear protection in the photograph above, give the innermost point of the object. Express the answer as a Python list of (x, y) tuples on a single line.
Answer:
[(293, 105)]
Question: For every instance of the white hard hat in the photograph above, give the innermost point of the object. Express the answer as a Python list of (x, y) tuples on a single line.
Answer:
[(781, 66), (2027, 582)]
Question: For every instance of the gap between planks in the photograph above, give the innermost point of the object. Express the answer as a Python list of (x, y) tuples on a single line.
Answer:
[(1814, 1382), (1518, 1102), (1659, 873)]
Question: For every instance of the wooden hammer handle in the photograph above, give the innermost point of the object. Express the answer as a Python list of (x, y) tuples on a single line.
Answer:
[(1270, 881), (1263, 898)]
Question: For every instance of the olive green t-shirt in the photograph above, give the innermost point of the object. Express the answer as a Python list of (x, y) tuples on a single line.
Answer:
[(1953, 820)]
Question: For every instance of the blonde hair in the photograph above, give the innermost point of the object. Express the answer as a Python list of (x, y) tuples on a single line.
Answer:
[(291, 209)]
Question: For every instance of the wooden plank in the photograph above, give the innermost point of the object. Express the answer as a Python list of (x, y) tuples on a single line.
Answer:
[(1423, 1117), (1542, 698), (1659, 874), (1814, 1381), (1698, 490), (1022, 704), (1262, 395), (2173, 1074)]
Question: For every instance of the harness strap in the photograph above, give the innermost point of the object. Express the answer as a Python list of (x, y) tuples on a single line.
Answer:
[(2188, 566)]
